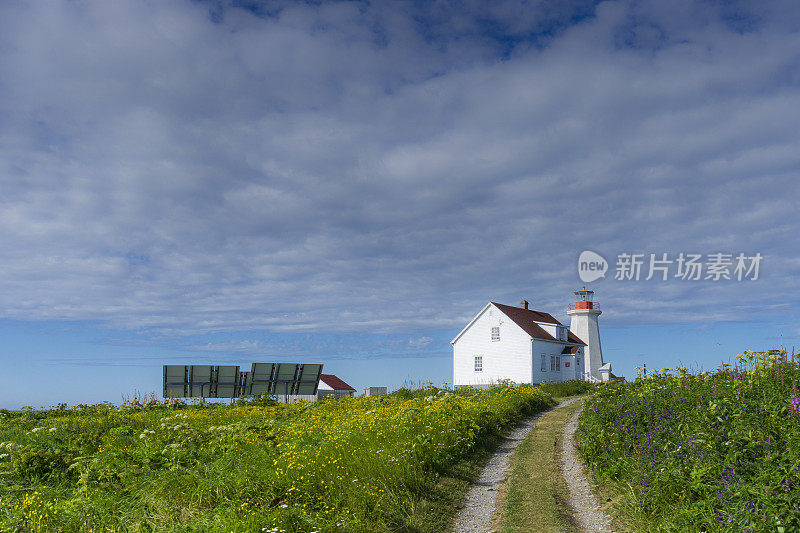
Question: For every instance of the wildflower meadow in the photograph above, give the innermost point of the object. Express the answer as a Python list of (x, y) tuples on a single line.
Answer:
[(348, 465), (710, 452)]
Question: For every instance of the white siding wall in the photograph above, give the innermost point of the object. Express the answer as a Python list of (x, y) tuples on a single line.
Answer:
[(330, 393), (508, 358), (549, 328), (567, 372), (549, 349)]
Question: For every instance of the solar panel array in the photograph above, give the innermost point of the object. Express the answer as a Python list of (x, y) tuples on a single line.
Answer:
[(210, 381), (282, 378)]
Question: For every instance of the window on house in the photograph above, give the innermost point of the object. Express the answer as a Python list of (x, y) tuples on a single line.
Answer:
[(558, 363), (552, 363), (478, 363), (562, 333), (544, 362), (496, 333)]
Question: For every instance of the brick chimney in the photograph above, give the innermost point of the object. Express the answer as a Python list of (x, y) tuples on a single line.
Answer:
[(524, 304)]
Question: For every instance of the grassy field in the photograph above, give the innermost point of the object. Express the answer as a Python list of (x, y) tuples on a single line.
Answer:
[(392, 463), (711, 452)]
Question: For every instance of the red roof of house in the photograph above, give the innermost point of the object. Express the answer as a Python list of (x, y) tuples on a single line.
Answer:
[(334, 382), (527, 318), (570, 349)]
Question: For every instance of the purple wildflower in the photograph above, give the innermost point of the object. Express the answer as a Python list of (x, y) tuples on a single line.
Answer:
[(796, 404)]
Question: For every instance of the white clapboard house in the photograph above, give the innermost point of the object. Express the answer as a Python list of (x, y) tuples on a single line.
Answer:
[(504, 342)]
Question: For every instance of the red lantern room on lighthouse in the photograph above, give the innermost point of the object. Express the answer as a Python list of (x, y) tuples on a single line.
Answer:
[(583, 299)]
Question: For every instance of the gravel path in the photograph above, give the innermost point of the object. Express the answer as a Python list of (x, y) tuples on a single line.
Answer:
[(476, 515), (586, 510)]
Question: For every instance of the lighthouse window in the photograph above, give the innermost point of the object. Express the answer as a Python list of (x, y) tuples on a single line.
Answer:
[(478, 363), (496, 333)]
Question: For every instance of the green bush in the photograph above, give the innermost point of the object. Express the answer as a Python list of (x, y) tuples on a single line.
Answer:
[(567, 388), (265, 400), (704, 452), (35, 463)]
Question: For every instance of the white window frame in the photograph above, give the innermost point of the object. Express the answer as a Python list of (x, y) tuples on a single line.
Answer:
[(552, 363), (478, 361), (495, 333), (544, 362)]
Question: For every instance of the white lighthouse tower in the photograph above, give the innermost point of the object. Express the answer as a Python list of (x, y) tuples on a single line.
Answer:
[(584, 313)]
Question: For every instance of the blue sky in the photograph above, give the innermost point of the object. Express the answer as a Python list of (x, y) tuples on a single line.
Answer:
[(350, 182)]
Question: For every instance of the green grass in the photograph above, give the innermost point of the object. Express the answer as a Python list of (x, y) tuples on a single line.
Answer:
[(535, 497), (394, 463), (569, 388), (709, 452)]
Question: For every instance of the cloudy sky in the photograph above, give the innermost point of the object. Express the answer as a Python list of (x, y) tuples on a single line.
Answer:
[(350, 182)]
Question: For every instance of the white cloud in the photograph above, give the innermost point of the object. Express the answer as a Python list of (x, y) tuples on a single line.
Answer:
[(348, 168), (419, 342)]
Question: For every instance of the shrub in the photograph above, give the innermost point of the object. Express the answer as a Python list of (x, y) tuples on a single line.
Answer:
[(567, 388), (33, 463), (264, 400), (702, 452)]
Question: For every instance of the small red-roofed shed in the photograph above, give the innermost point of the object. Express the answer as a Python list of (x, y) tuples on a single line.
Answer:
[(330, 385)]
